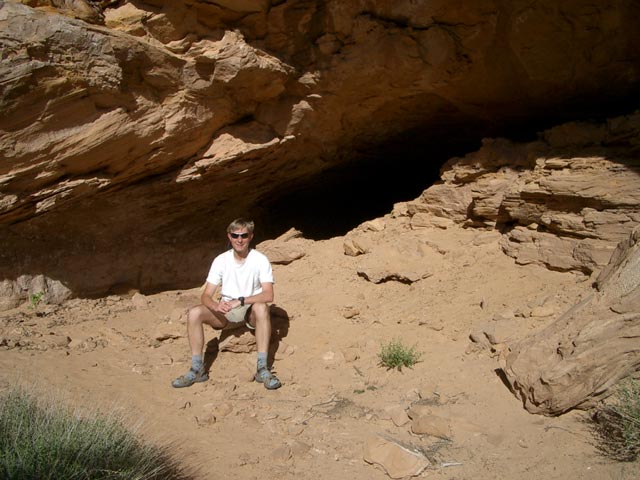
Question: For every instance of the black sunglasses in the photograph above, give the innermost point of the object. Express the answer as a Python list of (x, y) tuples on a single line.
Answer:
[(239, 235)]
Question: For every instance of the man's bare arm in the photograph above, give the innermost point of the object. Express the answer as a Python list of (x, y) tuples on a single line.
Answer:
[(207, 297), (266, 296)]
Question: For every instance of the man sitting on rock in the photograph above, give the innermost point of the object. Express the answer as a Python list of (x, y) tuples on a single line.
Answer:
[(246, 282)]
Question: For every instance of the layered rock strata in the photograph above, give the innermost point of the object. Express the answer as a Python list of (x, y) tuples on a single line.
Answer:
[(577, 360), (563, 201), (132, 132)]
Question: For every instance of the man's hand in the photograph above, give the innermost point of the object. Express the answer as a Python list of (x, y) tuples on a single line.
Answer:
[(226, 307)]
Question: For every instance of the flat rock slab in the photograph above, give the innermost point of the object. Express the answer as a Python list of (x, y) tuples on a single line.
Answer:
[(398, 461)]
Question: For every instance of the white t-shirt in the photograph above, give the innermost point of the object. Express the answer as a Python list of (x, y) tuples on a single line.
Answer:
[(240, 279)]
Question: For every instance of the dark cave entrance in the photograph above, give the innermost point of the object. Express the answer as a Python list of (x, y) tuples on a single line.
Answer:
[(367, 186), (339, 199)]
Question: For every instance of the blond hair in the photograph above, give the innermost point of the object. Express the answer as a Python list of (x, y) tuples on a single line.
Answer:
[(240, 223)]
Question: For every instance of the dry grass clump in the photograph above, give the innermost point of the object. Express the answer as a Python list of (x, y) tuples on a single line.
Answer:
[(616, 427), (46, 440), (396, 355)]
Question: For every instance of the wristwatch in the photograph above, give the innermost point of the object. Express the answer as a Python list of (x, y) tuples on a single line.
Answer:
[(241, 301)]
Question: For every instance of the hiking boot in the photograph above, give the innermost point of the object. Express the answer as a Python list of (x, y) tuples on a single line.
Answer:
[(268, 379), (189, 378)]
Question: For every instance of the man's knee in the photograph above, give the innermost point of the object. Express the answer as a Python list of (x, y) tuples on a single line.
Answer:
[(193, 316), (197, 315), (260, 311)]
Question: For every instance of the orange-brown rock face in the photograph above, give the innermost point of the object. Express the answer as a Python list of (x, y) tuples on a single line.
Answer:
[(131, 135), (563, 201)]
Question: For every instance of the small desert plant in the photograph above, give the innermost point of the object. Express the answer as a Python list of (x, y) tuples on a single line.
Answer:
[(46, 440), (35, 299), (616, 427), (396, 355)]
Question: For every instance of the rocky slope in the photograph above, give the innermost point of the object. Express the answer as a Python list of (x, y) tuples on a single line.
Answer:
[(340, 414)]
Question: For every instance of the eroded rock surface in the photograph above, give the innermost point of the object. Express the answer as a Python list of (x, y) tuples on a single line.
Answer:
[(564, 201), (131, 132), (575, 361)]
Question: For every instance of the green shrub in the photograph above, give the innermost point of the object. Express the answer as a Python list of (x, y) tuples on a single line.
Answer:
[(35, 299), (616, 426), (396, 355), (45, 440)]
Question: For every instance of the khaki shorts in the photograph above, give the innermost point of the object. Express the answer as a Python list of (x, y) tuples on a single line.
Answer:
[(238, 317)]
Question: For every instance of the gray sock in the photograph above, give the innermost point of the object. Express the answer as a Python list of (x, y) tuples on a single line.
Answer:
[(197, 362), (262, 360)]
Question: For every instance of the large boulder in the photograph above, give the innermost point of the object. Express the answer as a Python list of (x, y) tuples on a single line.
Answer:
[(576, 360)]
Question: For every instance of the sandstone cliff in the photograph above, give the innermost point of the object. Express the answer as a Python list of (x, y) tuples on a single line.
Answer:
[(132, 131)]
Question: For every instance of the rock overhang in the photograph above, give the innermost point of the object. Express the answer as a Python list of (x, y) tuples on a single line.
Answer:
[(121, 157)]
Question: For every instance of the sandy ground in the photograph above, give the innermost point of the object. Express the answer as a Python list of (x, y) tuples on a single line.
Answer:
[(123, 351)]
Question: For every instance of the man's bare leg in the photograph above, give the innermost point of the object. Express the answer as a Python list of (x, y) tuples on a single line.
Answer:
[(196, 318), (260, 318)]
